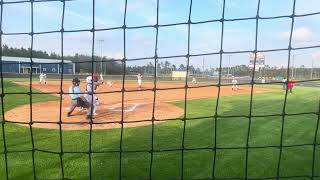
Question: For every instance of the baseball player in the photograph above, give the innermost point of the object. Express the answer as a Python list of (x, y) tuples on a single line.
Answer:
[(284, 84), (139, 77), (290, 85), (194, 80), (110, 83), (92, 84), (77, 100), (235, 86), (101, 78), (263, 80), (43, 78)]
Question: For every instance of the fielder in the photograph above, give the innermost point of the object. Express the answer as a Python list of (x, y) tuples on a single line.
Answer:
[(284, 84), (194, 80), (290, 86), (77, 100), (42, 78), (139, 77), (101, 78), (235, 86), (110, 83)]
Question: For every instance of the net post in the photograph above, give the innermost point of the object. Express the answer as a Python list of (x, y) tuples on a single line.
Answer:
[(3, 120), (124, 27), (61, 89), (30, 92), (315, 140), (221, 52), (286, 92), (156, 26), (251, 92), (186, 94)]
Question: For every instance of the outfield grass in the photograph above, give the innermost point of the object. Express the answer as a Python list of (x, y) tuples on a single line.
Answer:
[(231, 132)]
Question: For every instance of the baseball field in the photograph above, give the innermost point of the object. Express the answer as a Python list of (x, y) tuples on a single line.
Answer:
[(269, 136)]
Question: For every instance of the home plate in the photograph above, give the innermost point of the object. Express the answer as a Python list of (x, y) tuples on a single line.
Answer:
[(127, 107)]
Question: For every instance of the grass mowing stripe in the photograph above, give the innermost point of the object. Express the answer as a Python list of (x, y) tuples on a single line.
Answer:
[(167, 135)]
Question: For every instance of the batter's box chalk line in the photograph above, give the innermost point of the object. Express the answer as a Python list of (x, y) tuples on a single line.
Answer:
[(118, 107)]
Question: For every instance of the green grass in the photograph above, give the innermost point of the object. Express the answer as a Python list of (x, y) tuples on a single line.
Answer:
[(198, 164)]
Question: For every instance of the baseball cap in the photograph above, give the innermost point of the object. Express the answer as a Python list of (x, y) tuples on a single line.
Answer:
[(76, 80)]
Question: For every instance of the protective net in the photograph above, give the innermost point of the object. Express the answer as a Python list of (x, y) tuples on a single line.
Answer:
[(152, 150)]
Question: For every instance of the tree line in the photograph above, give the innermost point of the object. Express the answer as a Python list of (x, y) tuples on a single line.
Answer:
[(83, 64), (164, 67)]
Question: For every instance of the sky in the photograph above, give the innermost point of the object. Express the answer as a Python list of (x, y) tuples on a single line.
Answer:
[(172, 40)]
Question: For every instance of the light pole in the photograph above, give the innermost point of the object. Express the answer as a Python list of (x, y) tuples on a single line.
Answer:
[(292, 71), (311, 75), (202, 67), (229, 65), (101, 41)]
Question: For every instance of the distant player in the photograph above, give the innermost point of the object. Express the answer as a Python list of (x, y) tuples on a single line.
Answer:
[(235, 86), (77, 100), (101, 78), (139, 77), (194, 80), (43, 78), (110, 83), (284, 84), (290, 85)]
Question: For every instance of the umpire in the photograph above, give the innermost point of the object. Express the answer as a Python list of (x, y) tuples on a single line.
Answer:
[(77, 99)]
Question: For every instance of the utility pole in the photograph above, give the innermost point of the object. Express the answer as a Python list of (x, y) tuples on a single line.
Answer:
[(202, 67), (156, 65), (311, 75), (229, 65), (101, 69), (292, 71)]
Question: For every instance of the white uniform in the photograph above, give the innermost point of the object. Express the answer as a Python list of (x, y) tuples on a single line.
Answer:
[(90, 97), (139, 80), (109, 83), (235, 85), (194, 81), (43, 78), (101, 77), (263, 80)]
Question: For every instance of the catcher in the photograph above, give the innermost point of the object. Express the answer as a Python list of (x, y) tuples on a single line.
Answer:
[(77, 100)]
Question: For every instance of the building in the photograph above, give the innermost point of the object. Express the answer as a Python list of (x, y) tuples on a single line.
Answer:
[(260, 61), (22, 65)]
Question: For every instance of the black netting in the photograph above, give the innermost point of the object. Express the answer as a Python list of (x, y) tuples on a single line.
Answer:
[(156, 89)]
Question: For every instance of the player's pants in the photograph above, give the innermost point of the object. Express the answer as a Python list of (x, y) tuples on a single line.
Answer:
[(75, 103), (42, 80), (284, 86), (139, 83), (96, 104), (235, 87), (92, 99)]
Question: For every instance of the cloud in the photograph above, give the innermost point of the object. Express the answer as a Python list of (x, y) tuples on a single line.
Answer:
[(300, 34)]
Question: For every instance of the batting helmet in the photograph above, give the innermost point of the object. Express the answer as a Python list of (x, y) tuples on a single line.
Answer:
[(75, 80)]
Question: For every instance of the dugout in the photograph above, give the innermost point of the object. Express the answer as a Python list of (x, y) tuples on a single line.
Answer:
[(22, 65)]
